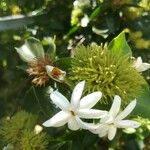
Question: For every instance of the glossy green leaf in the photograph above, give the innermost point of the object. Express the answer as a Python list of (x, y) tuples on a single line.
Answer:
[(143, 104), (119, 45), (43, 100)]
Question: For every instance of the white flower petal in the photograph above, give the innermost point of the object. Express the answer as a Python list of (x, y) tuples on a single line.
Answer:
[(58, 120), (143, 67), (36, 47), (103, 131), (25, 53), (91, 113), (140, 66), (84, 125), (127, 124), (137, 62), (126, 111), (90, 100), (31, 50), (62, 76), (49, 69), (55, 73), (112, 132), (115, 108), (73, 124), (60, 100), (77, 93), (94, 131), (108, 119)]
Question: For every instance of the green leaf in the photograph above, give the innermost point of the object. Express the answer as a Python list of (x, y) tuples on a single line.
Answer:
[(13, 22), (39, 98), (19, 21), (22, 67), (50, 42), (64, 63), (132, 144), (143, 104), (56, 145), (42, 98), (29, 100), (89, 140), (119, 45)]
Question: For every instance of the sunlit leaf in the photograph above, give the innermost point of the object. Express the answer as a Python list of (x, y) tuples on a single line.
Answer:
[(119, 45)]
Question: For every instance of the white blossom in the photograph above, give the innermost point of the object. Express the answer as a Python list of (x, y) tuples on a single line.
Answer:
[(72, 111), (109, 124), (84, 21), (140, 66)]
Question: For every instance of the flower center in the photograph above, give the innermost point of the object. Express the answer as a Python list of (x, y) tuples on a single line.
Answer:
[(37, 70), (72, 113), (56, 72)]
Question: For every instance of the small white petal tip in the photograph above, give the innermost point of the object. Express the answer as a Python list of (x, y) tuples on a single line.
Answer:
[(38, 129)]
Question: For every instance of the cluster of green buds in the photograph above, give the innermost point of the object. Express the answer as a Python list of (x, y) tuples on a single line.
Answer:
[(106, 71)]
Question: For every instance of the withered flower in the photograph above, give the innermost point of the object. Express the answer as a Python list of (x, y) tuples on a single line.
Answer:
[(40, 65)]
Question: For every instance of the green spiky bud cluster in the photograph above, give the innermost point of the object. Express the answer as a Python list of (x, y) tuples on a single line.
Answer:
[(105, 71), (19, 131), (31, 141)]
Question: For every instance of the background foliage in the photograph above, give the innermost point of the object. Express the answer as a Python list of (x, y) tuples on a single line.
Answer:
[(60, 19)]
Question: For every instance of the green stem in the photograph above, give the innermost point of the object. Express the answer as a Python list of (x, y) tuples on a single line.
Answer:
[(93, 16)]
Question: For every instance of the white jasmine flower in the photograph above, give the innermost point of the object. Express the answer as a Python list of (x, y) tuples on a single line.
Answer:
[(31, 50), (84, 21), (140, 66), (38, 129), (55, 73), (71, 112), (109, 124)]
